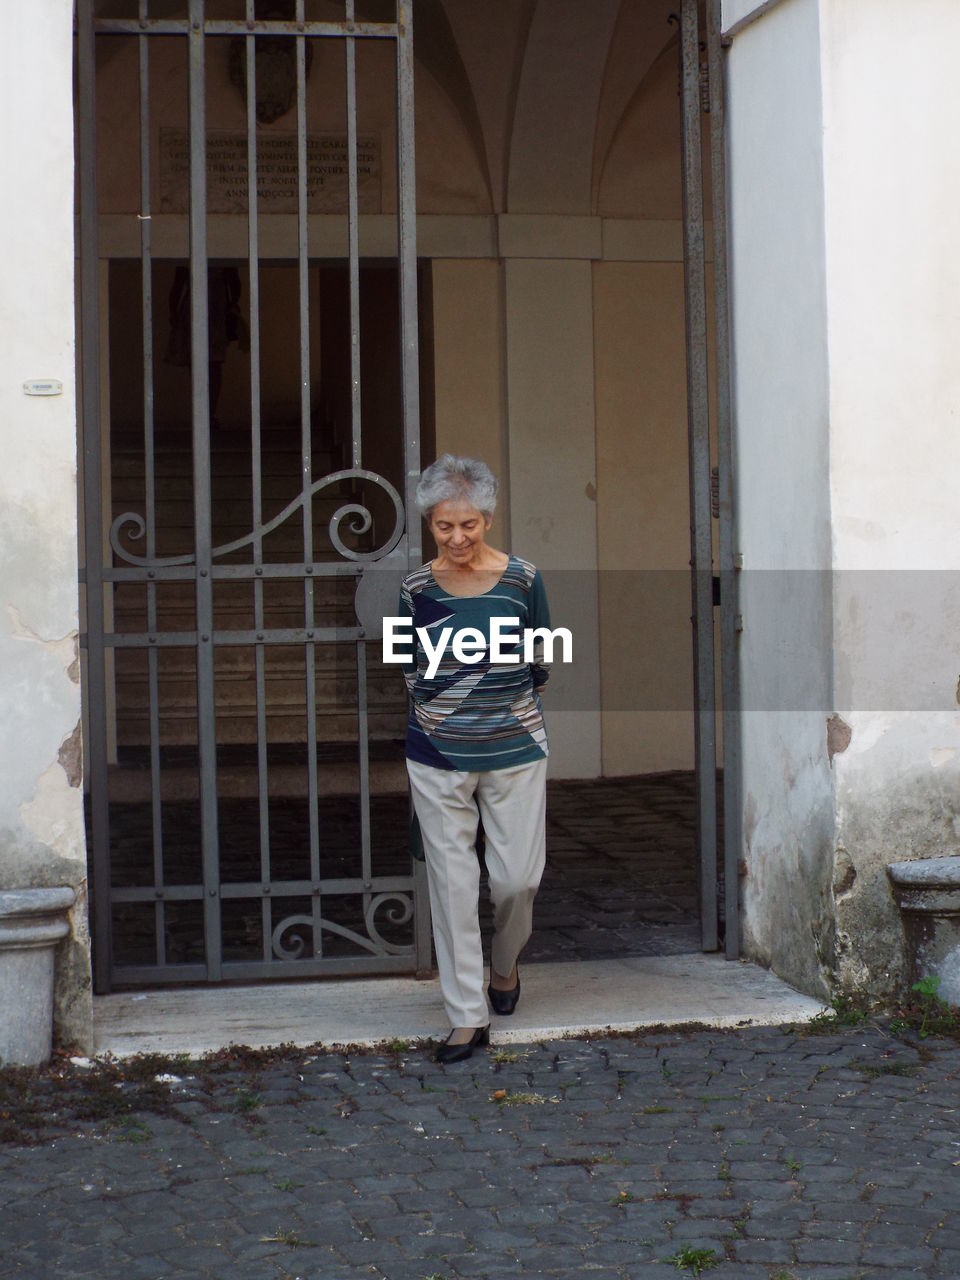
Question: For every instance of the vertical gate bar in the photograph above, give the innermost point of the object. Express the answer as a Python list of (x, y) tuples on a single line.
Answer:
[(407, 217), (698, 418), (149, 482), (353, 240), (410, 372), (353, 256), (306, 436), (96, 749), (256, 472), (202, 514), (729, 569), (363, 745)]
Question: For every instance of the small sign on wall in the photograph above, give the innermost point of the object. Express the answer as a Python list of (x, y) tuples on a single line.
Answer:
[(43, 387)]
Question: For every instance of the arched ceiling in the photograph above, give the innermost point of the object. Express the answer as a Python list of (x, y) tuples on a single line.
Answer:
[(492, 38), (642, 33), (552, 144), (546, 86), (540, 87)]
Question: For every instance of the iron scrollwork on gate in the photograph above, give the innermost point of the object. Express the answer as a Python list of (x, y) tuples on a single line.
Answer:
[(134, 525), (374, 942)]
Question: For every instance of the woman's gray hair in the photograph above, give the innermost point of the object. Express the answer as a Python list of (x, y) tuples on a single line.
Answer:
[(451, 479)]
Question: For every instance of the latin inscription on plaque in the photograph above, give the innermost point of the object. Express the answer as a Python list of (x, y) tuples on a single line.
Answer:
[(276, 172)]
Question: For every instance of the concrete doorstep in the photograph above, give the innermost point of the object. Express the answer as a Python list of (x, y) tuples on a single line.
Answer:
[(567, 998)]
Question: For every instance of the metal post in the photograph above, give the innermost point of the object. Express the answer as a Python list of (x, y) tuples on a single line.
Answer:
[(698, 419), (410, 370), (200, 356), (306, 448), (407, 211), (353, 242), (146, 313), (96, 749), (729, 563), (256, 469)]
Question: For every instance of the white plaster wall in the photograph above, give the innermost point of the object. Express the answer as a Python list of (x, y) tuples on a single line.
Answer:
[(552, 464), (468, 370), (891, 119), (783, 498), (643, 517), (41, 816)]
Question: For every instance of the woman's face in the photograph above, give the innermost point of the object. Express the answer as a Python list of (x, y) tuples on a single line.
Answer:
[(459, 530)]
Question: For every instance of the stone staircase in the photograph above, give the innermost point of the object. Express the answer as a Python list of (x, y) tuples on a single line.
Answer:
[(285, 677)]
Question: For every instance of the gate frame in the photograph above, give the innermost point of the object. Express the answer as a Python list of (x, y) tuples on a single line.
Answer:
[(96, 575), (701, 516)]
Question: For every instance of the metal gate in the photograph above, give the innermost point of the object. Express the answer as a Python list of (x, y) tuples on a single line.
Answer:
[(702, 91), (177, 900)]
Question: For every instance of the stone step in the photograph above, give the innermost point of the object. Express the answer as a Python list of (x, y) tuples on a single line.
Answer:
[(280, 465), (333, 724), (131, 623), (239, 662), (275, 490), (233, 608), (229, 451), (231, 511), (130, 614), (236, 694), (280, 546), (329, 591), (334, 778)]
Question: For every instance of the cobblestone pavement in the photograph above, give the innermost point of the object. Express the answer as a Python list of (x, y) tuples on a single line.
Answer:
[(772, 1154)]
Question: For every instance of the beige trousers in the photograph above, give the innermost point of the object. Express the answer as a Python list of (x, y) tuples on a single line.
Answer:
[(512, 803)]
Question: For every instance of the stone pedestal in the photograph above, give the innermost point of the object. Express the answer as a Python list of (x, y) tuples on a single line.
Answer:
[(32, 922), (927, 891)]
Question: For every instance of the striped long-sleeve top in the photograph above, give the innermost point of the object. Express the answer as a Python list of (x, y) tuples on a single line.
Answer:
[(480, 715)]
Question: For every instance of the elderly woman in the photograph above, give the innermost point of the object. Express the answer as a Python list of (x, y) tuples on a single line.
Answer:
[(475, 741)]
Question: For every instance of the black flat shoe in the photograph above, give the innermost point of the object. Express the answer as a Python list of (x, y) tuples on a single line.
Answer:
[(504, 1002), (448, 1052)]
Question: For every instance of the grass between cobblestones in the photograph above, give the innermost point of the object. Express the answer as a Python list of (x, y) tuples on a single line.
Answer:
[(37, 1102), (758, 1154)]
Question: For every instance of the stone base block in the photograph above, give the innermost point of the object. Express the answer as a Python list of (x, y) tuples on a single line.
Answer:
[(32, 922), (927, 891)]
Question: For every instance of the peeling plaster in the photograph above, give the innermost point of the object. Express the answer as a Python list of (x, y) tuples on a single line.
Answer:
[(839, 735), (939, 756), (70, 757), (53, 815), (66, 648), (844, 873)]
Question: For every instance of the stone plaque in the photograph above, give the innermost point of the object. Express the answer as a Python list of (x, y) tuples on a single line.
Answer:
[(276, 172)]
